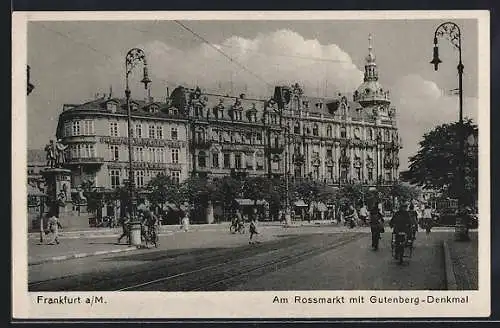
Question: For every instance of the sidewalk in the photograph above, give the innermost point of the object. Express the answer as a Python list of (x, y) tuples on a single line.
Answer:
[(464, 262), (73, 248), (84, 243)]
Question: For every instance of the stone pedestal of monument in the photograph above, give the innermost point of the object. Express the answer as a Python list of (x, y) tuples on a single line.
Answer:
[(58, 182)]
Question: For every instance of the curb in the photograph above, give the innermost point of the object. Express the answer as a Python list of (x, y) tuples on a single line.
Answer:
[(80, 255), (451, 281)]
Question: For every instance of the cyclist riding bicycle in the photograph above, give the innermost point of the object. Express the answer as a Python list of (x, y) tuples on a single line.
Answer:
[(237, 220), (401, 221), (150, 222)]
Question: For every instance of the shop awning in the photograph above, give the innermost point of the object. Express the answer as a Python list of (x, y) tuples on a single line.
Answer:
[(321, 207), (249, 202), (301, 203)]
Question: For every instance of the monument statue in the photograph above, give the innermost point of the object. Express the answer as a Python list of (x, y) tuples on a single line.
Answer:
[(50, 150), (60, 153)]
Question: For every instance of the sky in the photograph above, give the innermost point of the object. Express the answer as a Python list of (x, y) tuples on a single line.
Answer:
[(73, 61)]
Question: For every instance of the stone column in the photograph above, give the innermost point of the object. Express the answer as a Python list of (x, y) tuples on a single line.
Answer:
[(322, 152), (210, 213)]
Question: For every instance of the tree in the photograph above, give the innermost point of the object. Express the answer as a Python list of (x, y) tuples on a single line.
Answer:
[(226, 190), (163, 189), (436, 164)]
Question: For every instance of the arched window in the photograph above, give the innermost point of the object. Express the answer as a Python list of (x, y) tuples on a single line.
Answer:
[(329, 131), (370, 132), (343, 132), (202, 162), (387, 136), (296, 128), (315, 130)]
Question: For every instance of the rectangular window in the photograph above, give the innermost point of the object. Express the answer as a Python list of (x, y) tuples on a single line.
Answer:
[(113, 129), (175, 156), (358, 173), (88, 127), (370, 174), (139, 179), (138, 130), (215, 160), (115, 154), (173, 134), (159, 132), (162, 155), (115, 178), (237, 161), (87, 152), (151, 132), (138, 154), (330, 172), (76, 128), (227, 161), (176, 176), (329, 153)]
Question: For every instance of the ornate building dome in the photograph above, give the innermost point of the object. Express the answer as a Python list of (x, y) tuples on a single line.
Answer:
[(371, 92)]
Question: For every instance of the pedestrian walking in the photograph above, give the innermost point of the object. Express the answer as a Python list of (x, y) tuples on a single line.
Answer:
[(376, 226), (124, 222), (185, 221), (363, 214), (414, 221), (54, 226), (340, 215), (253, 230), (427, 218)]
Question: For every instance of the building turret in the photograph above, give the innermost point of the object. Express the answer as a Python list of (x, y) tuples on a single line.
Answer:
[(371, 93)]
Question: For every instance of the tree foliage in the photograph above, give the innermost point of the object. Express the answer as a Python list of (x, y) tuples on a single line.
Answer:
[(436, 164), (162, 189)]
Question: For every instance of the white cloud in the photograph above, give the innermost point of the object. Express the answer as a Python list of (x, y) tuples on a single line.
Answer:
[(279, 57), (421, 106), (286, 57)]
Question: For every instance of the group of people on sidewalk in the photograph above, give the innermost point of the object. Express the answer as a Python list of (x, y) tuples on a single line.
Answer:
[(238, 222), (49, 228), (149, 221), (405, 219)]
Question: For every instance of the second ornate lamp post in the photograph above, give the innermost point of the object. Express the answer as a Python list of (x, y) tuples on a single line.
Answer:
[(134, 56), (451, 31)]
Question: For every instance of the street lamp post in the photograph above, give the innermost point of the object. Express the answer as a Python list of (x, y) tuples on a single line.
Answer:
[(133, 57), (30, 86), (451, 31)]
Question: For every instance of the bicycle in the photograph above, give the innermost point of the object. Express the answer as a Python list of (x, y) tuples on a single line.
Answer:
[(237, 227), (401, 242), (151, 236)]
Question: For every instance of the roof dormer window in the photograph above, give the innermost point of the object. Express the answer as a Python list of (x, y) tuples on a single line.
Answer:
[(133, 106), (111, 106), (153, 109)]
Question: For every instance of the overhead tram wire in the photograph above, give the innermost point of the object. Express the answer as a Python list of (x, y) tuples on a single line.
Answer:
[(77, 42), (319, 59), (223, 53)]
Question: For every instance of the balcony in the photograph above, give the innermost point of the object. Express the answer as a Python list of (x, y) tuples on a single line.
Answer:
[(239, 172), (85, 161), (200, 144), (275, 150)]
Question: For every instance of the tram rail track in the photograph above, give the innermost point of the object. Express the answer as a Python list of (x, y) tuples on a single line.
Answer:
[(224, 264), (234, 270)]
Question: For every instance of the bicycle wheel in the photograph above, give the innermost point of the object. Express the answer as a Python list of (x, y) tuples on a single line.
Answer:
[(232, 229), (401, 252)]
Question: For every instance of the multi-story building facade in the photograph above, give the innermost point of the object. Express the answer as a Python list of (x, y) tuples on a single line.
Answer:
[(336, 140), (97, 137)]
